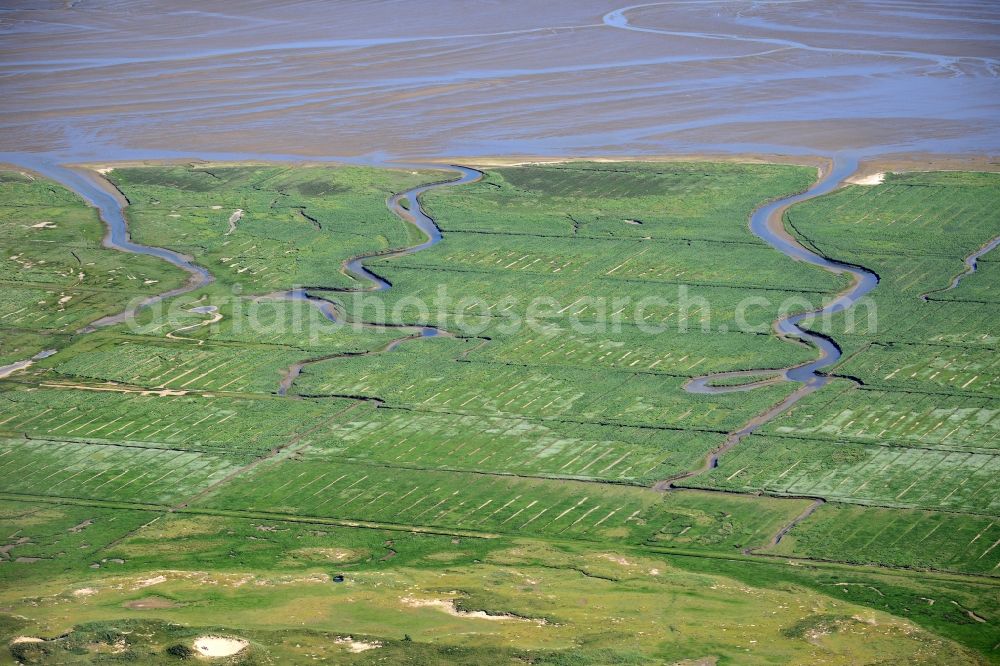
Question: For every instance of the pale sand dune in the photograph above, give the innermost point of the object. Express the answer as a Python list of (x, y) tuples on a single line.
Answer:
[(219, 646), (356, 646), (870, 179), (26, 639)]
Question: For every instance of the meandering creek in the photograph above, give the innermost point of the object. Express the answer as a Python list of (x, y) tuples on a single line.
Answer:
[(767, 224), (110, 205), (406, 206), (971, 265)]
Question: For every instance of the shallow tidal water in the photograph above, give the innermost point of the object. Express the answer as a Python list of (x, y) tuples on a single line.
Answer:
[(104, 80)]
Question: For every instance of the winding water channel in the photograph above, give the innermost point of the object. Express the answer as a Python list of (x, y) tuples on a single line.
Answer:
[(406, 206), (971, 265), (619, 19), (110, 205), (767, 224)]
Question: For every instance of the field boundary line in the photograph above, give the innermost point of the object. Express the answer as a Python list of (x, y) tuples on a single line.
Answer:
[(288, 447), (248, 514), (881, 444), (904, 572), (541, 476), (416, 266)]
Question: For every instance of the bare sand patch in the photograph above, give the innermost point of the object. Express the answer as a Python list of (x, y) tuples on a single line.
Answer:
[(219, 646), (876, 178), (147, 582), (355, 645), (617, 559), (918, 162), (26, 639), (233, 219), (541, 160), (81, 526), (448, 606), (8, 370), (84, 592), (150, 603), (329, 554)]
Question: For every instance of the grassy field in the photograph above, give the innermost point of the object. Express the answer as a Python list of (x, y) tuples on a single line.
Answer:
[(718, 522), (238, 427), (433, 601), (486, 496), (916, 428), (296, 227), (93, 471), (56, 277), (510, 444), (918, 419), (921, 539), (870, 474)]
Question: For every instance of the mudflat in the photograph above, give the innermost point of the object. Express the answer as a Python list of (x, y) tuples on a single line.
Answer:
[(108, 80)]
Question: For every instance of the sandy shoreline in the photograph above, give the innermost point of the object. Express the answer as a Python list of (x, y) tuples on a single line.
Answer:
[(818, 161), (924, 162), (903, 162)]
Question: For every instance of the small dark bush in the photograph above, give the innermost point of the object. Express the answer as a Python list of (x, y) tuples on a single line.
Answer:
[(181, 651)]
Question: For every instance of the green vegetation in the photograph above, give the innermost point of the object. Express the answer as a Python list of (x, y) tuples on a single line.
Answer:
[(239, 427), (273, 584), (447, 498), (717, 522), (510, 444), (77, 470), (52, 540), (433, 376), (915, 419), (56, 277), (917, 427), (463, 501), (922, 539), (868, 474), (297, 224)]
